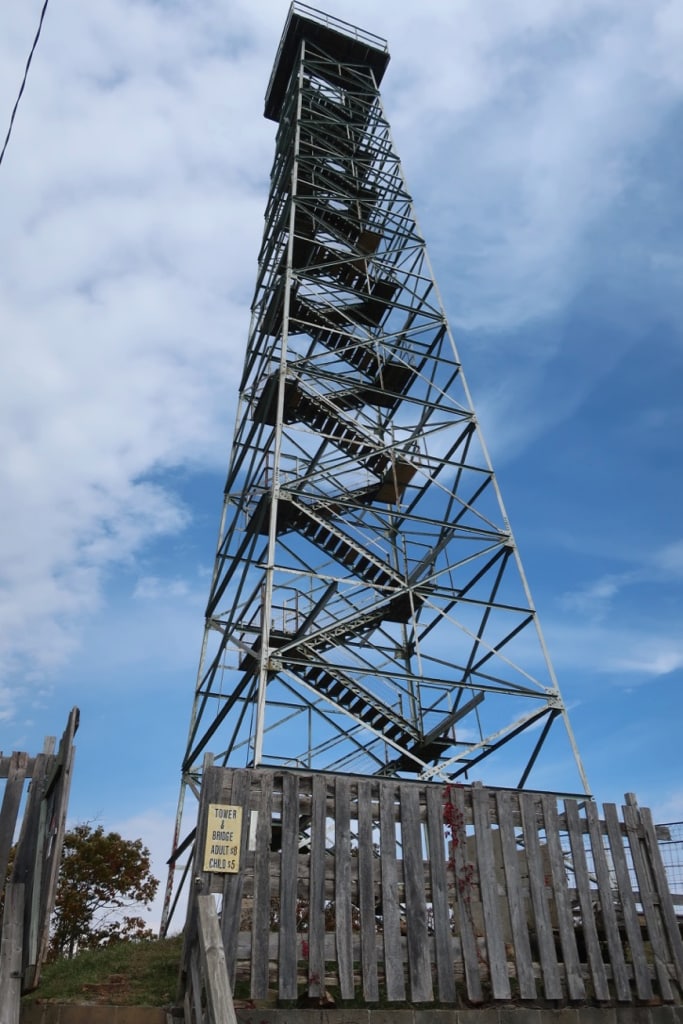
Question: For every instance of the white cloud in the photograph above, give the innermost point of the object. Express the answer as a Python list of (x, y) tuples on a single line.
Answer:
[(669, 559), (594, 600), (536, 116), (132, 198), (151, 588), (629, 654), (658, 658), (124, 302)]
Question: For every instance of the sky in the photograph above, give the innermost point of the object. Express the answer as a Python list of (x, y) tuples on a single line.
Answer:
[(541, 145)]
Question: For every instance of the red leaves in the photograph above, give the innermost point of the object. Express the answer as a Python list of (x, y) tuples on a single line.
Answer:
[(101, 876)]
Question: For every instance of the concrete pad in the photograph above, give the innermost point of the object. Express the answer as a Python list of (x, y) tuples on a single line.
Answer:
[(432, 1016), (482, 1015), (87, 1013), (597, 1015)]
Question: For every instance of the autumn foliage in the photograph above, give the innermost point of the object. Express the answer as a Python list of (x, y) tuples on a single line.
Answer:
[(104, 883)]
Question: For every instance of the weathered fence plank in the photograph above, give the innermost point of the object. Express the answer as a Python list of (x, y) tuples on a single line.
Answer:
[(27, 863), (544, 932), (287, 982), (261, 906), (588, 926), (443, 937), (607, 907), (518, 915), (343, 924), (390, 899), (488, 883), (572, 966), (190, 956), (232, 884), (419, 963), (366, 892), (11, 800), (463, 894), (646, 899), (316, 902), (11, 947), (216, 984), (628, 903)]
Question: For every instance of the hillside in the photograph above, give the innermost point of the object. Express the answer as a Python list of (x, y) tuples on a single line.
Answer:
[(125, 974)]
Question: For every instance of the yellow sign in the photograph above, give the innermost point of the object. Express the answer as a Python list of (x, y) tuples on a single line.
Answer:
[(223, 834)]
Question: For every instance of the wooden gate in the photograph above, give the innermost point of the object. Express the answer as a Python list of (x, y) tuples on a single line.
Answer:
[(383, 890), (28, 895)]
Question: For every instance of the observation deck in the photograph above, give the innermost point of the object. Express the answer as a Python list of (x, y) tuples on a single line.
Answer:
[(338, 39)]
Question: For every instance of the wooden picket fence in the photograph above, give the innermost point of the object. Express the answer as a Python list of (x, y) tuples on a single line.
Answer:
[(29, 891), (390, 891)]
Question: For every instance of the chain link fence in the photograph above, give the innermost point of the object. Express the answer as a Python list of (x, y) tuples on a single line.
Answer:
[(670, 837)]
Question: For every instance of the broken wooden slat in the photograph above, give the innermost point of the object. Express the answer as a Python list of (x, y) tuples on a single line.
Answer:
[(216, 983), (6, 765)]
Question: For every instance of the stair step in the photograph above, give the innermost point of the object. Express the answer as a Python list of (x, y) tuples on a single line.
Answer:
[(357, 704)]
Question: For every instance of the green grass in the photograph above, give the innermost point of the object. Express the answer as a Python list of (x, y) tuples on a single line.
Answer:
[(125, 974)]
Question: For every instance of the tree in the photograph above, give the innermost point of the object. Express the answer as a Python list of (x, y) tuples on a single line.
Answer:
[(101, 877)]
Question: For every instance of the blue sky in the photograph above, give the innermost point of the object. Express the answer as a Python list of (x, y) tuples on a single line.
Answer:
[(541, 143)]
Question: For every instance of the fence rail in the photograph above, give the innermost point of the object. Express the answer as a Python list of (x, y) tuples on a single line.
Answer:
[(384, 890)]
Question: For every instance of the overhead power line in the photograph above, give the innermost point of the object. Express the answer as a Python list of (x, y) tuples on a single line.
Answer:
[(23, 82)]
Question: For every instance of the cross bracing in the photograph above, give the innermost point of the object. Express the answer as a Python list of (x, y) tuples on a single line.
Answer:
[(368, 610)]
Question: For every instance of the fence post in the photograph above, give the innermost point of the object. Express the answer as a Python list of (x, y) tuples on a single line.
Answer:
[(11, 948)]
